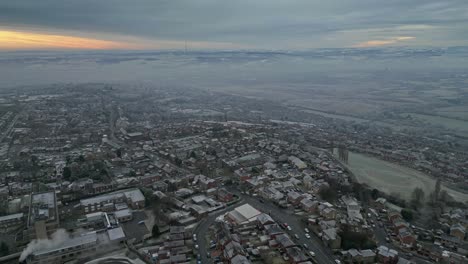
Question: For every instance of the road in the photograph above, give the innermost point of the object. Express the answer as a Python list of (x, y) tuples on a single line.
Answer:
[(322, 254), (9, 128), (203, 227)]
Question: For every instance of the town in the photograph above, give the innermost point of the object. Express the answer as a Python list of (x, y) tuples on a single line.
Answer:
[(116, 173)]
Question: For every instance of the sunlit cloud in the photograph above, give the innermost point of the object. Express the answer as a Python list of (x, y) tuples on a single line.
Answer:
[(21, 40), (15, 40), (382, 42)]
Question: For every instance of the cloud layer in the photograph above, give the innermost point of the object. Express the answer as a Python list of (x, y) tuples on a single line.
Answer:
[(262, 24)]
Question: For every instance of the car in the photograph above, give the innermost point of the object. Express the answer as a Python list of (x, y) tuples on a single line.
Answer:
[(289, 228), (307, 236), (312, 254), (196, 246), (296, 236), (208, 255), (306, 230), (337, 261), (141, 222), (305, 246), (261, 201), (198, 257)]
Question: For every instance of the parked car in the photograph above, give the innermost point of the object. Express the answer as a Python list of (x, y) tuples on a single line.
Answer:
[(296, 236), (312, 254)]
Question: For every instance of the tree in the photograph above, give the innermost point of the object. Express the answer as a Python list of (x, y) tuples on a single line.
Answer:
[(417, 197), (375, 194), (407, 214), (351, 239), (155, 231), (444, 196), (328, 194), (437, 190), (66, 173), (4, 250)]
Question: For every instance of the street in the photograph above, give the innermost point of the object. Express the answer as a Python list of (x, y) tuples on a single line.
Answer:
[(205, 224), (322, 254)]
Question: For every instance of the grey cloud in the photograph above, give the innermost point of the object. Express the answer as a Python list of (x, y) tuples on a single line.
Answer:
[(260, 23)]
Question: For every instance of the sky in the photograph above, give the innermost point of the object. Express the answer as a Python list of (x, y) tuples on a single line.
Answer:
[(239, 24)]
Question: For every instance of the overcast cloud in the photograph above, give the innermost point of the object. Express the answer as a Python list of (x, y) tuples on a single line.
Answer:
[(257, 24)]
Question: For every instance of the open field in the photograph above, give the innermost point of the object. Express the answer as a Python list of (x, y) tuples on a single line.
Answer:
[(442, 121), (393, 178), (459, 112)]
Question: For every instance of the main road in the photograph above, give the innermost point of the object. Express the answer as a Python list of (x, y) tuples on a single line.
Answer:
[(322, 254)]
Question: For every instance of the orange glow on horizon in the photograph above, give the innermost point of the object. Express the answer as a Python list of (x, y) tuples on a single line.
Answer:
[(15, 40), (378, 43)]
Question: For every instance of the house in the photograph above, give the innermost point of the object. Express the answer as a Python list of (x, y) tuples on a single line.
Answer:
[(298, 163), (406, 238), (359, 256), (368, 256), (458, 230), (204, 182), (393, 216), (273, 230), (224, 196), (331, 238), (309, 205), (294, 197), (328, 213), (399, 224), (284, 241), (240, 259), (264, 219), (386, 255), (232, 249), (296, 255)]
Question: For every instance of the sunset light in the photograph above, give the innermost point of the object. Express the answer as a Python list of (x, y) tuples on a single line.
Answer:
[(14, 40)]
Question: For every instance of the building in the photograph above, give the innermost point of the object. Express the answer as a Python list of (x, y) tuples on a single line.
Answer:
[(9, 221), (132, 197), (309, 205), (43, 218), (458, 231), (123, 215), (224, 196), (243, 214), (298, 163), (68, 249), (386, 255)]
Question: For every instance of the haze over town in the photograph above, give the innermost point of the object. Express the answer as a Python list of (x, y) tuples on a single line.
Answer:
[(233, 132)]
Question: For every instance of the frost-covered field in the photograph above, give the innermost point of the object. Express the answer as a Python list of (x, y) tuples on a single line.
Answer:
[(393, 178)]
